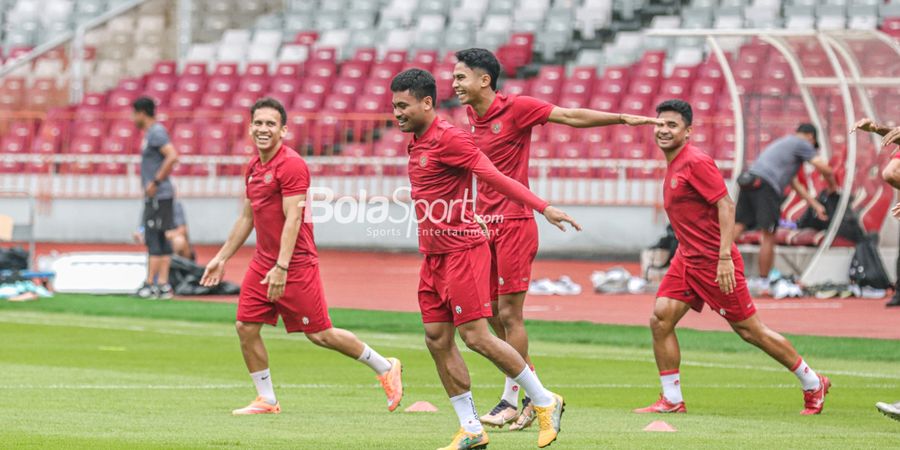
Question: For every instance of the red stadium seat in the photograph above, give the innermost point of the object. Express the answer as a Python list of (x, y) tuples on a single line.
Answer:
[(552, 73), (223, 83), (285, 86), (317, 85), (214, 140), (321, 69), (45, 146), (327, 54), (639, 104), (191, 83), (84, 145), (347, 86), (516, 86), (164, 68), (396, 57), (120, 100), (366, 55), (707, 86), (578, 87), (92, 129), (13, 145), (380, 88), (244, 100), (226, 69), (115, 146), (558, 134), (425, 59), (584, 73), (387, 70), (546, 90), (125, 131), (289, 70), (358, 70), (195, 68), (184, 101), (369, 103), (306, 37), (216, 100), (308, 102), (605, 102), (644, 86), (257, 69), (162, 84)]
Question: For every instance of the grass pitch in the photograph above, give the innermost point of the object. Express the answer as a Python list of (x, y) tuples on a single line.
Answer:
[(115, 372)]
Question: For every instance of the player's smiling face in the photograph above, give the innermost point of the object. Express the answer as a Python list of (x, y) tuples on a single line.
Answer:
[(673, 135), (266, 129), (468, 83), (411, 112)]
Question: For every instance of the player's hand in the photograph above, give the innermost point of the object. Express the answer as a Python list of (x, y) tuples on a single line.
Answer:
[(276, 279), (895, 211), (893, 137), (213, 274), (150, 190), (819, 209), (865, 124), (634, 121), (557, 217), (137, 237), (480, 221), (725, 275)]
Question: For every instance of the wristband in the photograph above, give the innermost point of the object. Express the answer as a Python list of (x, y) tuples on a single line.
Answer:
[(156, 182), (281, 267)]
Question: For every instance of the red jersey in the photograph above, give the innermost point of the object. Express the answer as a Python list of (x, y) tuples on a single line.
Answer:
[(441, 164), (692, 186), (504, 135), (267, 184)]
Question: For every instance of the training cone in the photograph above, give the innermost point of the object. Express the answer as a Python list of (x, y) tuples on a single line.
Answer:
[(422, 407), (659, 425)]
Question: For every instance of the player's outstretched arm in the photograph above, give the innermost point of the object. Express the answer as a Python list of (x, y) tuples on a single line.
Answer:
[(488, 173), (586, 118), (215, 269), (869, 125)]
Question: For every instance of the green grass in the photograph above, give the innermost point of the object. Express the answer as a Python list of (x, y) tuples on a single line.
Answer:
[(112, 372)]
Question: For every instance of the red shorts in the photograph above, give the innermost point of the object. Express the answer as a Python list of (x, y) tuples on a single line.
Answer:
[(302, 307), (514, 244), (696, 286), (453, 287)]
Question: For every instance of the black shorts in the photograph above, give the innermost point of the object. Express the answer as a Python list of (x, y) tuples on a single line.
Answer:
[(759, 209), (158, 218)]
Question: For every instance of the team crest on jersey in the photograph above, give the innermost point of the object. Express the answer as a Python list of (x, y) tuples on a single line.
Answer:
[(423, 161), (674, 183), (267, 178), (473, 129), (459, 309), (496, 127)]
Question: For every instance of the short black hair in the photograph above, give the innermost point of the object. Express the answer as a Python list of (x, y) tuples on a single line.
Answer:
[(269, 102), (420, 83), (145, 105), (680, 106), (479, 58)]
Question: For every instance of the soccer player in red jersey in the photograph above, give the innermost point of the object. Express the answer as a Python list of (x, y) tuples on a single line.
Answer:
[(501, 126), (707, 267), (454, 291), (283, 277)]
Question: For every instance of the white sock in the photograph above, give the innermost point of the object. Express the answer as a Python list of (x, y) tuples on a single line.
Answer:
[(372, 359), (511, 392), (806, 375), (671, 385), (465, 410), (263, 382), (533, 388)]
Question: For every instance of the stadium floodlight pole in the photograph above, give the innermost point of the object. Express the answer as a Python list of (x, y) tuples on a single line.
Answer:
[(736, 106)]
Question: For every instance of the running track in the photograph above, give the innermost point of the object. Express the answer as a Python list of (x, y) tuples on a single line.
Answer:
[(386, 281)]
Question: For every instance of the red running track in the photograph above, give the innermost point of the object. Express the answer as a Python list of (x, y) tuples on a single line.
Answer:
[(387, 281)]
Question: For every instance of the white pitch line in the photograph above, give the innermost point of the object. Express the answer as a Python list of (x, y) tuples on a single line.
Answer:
[(202, 330), (314, 386)]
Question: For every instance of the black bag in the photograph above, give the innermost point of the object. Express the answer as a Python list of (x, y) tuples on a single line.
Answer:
[(14, 258), (866, 267), (749, 182), (849, 229), (185, 275), (669, 243)]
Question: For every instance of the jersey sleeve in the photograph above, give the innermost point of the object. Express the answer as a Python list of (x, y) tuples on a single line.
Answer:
[(486, 172), (529, 112), (805, 151), (707, 180), (294, 177), (158, 137)]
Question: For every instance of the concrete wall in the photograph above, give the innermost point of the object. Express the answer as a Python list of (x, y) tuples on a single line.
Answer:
[(607, 230)]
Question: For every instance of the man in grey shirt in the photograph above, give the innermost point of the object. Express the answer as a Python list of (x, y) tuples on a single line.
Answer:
[(760, 197), (158, 157)]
